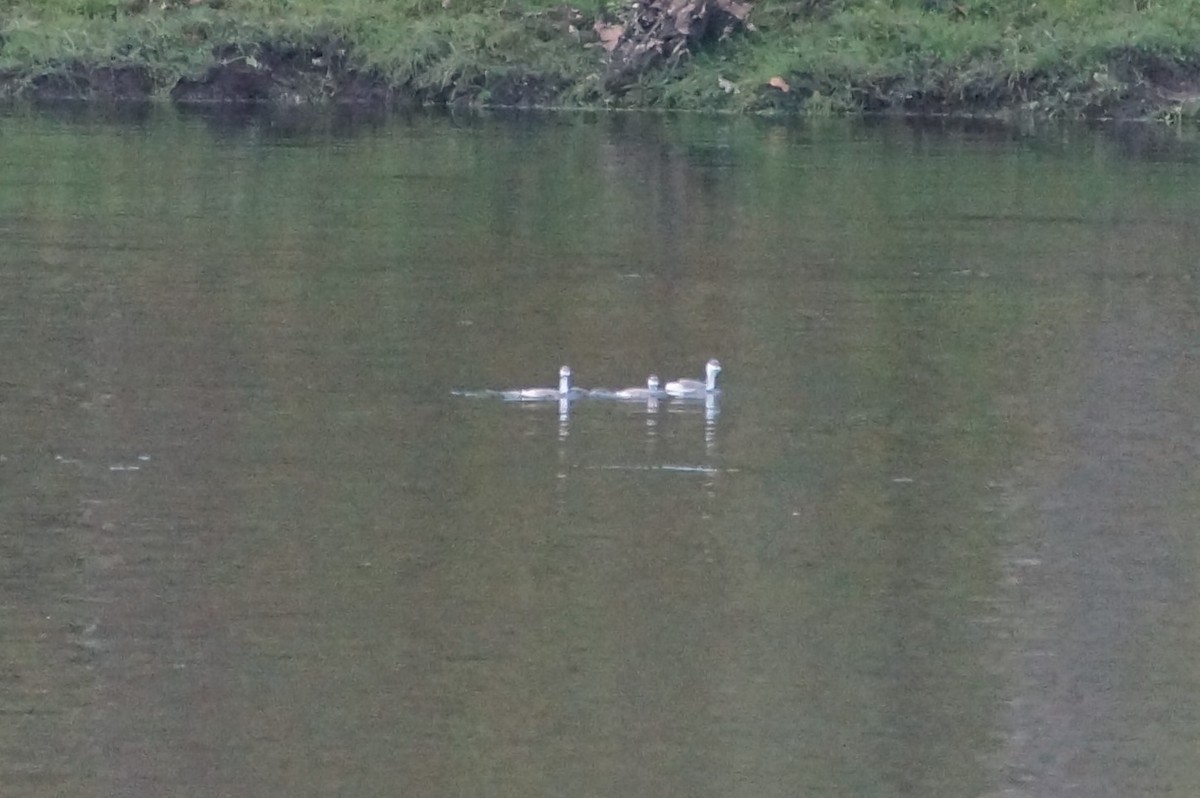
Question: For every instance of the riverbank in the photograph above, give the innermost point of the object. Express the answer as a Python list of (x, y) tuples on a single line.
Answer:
[(1084, 58)]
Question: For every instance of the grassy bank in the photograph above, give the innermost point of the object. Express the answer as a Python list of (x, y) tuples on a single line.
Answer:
[(1122, 58)]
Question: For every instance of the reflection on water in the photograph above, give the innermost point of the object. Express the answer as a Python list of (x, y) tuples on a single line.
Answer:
[(936, 538), (709, 404)]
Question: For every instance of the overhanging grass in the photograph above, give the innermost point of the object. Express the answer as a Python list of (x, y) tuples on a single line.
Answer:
[(838, 54), (408, 44), (857, 53)]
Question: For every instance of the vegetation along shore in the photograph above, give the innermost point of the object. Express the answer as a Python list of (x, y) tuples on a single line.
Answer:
[(1066, 58)]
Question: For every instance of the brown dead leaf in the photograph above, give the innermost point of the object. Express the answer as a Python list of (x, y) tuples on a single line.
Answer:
[(779, 83), (610, 35), (736, 10), (683, 15)]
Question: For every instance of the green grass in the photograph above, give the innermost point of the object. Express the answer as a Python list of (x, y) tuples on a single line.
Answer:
[(1069, 56)]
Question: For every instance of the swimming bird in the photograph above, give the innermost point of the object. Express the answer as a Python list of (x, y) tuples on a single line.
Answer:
[(696, 389), (651, 391), (564, 390)]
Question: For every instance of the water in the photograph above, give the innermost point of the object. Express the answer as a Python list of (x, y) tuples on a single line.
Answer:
[(938, 538)]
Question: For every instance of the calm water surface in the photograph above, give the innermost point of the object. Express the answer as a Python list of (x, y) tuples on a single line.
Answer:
[(939, 540)]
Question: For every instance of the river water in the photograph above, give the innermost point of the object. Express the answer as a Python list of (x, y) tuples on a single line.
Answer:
[(938, 537)]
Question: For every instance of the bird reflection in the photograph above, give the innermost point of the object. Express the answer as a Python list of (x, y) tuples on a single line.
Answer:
[(564, 418), (711, 410), (651, 423)]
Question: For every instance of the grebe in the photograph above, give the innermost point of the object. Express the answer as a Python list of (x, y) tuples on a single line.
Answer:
[(651, 391), (563, 391), (695, 388)]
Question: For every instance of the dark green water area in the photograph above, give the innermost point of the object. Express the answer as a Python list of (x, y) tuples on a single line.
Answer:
[(938, 537)]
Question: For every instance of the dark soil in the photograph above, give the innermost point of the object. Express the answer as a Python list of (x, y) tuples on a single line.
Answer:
[(286, 75), (79, 81)]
